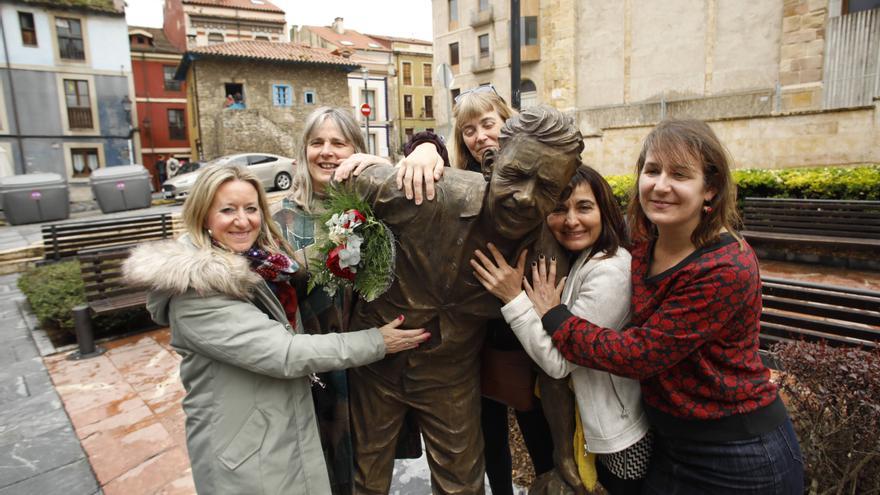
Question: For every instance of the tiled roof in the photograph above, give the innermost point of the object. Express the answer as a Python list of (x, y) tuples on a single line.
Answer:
[(357, 40), (262, 5), (412, 41), (99, 6), (272, 51), (160, 41)]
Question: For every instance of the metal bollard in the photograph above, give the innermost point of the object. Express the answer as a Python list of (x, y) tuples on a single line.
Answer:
[(85, 338)]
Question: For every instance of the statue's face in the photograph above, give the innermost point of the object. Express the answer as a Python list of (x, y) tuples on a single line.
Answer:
[(527, 180)]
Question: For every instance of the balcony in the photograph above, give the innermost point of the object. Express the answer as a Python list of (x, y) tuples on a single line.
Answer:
[(482, 17), (482, 64), (79, 118), (530, 53)]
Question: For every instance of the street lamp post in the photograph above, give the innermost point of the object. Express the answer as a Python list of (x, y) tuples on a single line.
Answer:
[(365, 73)]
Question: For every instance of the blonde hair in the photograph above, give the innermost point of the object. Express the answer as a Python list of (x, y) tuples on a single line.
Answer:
[(471, 106), (690, 143), (303, 191), (198, 206)]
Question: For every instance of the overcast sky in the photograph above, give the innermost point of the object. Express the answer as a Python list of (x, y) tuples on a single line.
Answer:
[(403, 18)]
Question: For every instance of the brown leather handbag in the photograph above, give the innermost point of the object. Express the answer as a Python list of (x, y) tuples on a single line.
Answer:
[(508, 377)]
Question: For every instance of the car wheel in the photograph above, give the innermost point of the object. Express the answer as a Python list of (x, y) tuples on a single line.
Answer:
[(282, 181)]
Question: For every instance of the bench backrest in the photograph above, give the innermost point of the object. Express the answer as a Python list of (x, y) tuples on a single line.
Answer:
[(64, 240), (803, 310), (101, 271), (824, 217)]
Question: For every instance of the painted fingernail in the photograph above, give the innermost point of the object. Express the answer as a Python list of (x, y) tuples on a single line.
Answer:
[(541, 257), (553, 259), (534, 264), (400, 317)]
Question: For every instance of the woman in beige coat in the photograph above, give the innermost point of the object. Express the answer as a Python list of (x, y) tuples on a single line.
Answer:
[(224, 290)]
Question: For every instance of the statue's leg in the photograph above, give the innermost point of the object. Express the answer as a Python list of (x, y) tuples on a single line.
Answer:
[(557, 400), (376, 419), (449, 418)]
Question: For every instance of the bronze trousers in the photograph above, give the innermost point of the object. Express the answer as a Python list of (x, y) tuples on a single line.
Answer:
[(448, 417)]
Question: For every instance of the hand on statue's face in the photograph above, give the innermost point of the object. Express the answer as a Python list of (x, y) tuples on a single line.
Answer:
[(526, 182)]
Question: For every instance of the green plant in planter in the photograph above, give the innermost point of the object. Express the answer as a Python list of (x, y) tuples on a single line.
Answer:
[(52, 291)]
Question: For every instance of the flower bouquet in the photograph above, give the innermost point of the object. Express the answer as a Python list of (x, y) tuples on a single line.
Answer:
[(354, 248)]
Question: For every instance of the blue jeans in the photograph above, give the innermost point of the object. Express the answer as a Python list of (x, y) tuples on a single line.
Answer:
[(768, 464)]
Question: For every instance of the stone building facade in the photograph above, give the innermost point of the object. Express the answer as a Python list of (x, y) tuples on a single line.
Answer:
[(280, 84), (785, 83), (192, 23)]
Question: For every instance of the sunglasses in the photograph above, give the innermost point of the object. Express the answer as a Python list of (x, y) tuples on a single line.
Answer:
[(488, 88)]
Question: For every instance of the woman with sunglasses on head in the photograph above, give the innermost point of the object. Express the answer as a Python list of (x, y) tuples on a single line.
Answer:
[(587, 222), (478, 117), (692, 342)]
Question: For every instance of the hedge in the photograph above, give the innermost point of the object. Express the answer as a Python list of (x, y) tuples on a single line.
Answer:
[(53, 290), (857, 183)]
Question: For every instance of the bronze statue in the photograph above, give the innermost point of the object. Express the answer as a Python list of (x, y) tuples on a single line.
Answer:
[(435, 288)]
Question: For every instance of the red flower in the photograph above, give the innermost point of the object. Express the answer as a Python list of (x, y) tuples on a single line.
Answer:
[(358, 217), (333, 264)]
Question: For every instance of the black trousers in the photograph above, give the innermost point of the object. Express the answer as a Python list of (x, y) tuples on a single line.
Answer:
[(536, 433)]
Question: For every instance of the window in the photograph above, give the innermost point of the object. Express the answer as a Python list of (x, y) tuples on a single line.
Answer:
[(429, 107), (407, 74), (453, 93), (427, 75), (79, 110), (261, 38), (84, 161), (852, 6), (430, 129), (214, 38), (176, 126), (453, 11), (369, 97), (483, 5), (260, 159), (309, 97), (282, 95), (453, 54), (70, 38), (483, 42), (170, 83), (28, 29), (407, 106), (408, 132), (529, 31)]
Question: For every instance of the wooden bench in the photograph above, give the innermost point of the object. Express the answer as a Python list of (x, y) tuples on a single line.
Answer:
[(65, 240), (829, 222), (840, 316), (101, 271)]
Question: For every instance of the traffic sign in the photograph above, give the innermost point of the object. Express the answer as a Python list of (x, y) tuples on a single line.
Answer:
[(366, 110)]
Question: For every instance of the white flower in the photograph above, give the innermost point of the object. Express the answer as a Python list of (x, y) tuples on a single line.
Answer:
[(350, 256)]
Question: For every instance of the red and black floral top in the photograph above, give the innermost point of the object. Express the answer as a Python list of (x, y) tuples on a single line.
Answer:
[(692, 342)]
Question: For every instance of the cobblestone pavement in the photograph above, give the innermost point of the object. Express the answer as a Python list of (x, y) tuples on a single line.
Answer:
[(39, 451)]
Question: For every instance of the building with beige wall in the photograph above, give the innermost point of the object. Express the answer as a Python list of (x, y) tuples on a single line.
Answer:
[(192, 23), (281, 83), (414, 76), (784, 82)]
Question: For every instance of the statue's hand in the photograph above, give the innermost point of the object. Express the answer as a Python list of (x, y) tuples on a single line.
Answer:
[(424, 166)]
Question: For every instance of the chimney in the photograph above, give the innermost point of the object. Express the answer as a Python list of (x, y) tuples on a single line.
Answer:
[(337, 26)]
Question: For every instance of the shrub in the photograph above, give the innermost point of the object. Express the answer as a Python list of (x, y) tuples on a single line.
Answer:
[(833, 394), (52, 291), (622, 187)]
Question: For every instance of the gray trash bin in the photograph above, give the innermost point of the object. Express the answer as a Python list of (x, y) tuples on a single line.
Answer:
[(121, 188), (31, 198)]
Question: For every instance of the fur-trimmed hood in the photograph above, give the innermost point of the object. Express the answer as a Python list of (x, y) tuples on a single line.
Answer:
[(169, 268)]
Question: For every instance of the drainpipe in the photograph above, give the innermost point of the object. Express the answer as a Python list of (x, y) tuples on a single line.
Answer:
[(387, 128), (12, 92)]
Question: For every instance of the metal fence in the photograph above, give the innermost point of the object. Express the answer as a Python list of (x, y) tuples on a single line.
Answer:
[(852, 64)]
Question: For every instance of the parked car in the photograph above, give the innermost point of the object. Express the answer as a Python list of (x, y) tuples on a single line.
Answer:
[(274, 172)]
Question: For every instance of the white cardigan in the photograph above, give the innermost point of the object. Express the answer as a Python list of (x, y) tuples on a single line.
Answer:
[(598, 290)]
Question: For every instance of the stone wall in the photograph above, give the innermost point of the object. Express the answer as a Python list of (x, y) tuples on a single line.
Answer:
[(262, 127), (836, 137)]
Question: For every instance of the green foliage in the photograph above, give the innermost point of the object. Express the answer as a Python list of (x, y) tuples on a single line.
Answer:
[(376, 269), (52, 291), (854, 183), (833, 394)]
